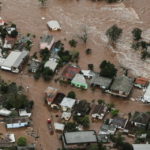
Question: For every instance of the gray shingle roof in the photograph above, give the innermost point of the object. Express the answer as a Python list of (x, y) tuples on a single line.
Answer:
[(122, 83), (101, 81), (46, 39), (140, 117)]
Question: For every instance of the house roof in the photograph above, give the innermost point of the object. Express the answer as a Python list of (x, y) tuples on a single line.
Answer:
[(59, 126), (51, 92), (101, 81), (100, 109), (147, 93), (58, 99), (20, 46), (24, 112), (82, 107), (57, 46), (54, 55), (88, 73), (10, 40), (47, 39), (16, 119), (20, 59), (89, 136), (105, 128), (33, 65), (141, 117), (79, 78), (53, 24), (122, 83), (51, 64), (141, 81), (5, 112), (118, 121), (141, 146), (70, 71), (28, 147), (68, 102), (24, 39)]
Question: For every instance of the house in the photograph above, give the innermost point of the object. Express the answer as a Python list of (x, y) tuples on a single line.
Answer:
[(121, 86), (50, 94), (69, 72), (141, 146), (46, 42), (24, 39), (58, 99), (10, 29), (100, 81), (73, 139), (5, 112), (141, 82), (54, 25), (66, 115), (17, 122), (9, 43), (51, 65), (5, 143), (67, 103), (54, 56), (82, 108), (99, 111), (119, 122), (10, 137), (146, 96), (2, 100), (15, 60), (88, 73), (79, 81), (2, 22), (28, 147), (140, 119), (57, 46), (20, 46), (33, 65), (104, 138), (107, 129), (59, 126), (25, 112)]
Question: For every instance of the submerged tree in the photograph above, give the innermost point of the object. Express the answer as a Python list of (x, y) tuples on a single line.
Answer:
[(113, 33), (83, 35), (137, 34), (42, 2)]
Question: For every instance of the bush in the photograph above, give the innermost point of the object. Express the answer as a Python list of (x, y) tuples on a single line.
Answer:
[(3, 34), (22, 141), (72, 43), (71, 94), (90, 66), (88, 51), (115, 112)]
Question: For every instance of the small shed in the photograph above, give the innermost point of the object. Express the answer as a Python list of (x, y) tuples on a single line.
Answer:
[(51, 64), (54, 25), (59, 126)]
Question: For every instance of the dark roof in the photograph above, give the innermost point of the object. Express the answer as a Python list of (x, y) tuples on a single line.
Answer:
[(33, 65), (20, 46), (70, 71), (122, 83), (58, 98), (118, 121), (16, 119), (28, 147), (54, 55), (82, 107), (101, 81), (140, 117), (57, 46), (99, 109), (47, 39)]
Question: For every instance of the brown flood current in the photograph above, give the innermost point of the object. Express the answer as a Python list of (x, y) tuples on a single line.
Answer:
[(71, 14)]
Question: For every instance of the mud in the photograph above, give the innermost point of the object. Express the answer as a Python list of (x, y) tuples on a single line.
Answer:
[(98, 16)]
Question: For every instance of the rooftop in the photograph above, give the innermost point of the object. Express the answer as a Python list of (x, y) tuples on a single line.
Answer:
[(141, 117), (80, 137), (141, 81), (68, 102), (51, 92), (58, 99), (141, 146), (118, 121), (122, 83), (99, 109), (47, 39), (70, 71), (79, 78), (16, 119)]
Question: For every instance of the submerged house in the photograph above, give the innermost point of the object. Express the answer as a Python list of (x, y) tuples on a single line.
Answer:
[(15, 60), (51, 64), (9, 43), (146, 96), (121, 86), (46, 42), (141, 82), (79, 81), (100, 81)]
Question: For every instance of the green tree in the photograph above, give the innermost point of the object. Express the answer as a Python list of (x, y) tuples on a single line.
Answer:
[(113, 33), (137, 34), (13, 25), (92, 147), (135, 46), (47, 73), (119, 140), (22, 141), (3, 34), (103, 64), (127, 146), (70, 127), (72, 43), (115, 112), (42, 2), (85, 121), (145, 55), (101, 101), (71, 94), (88, 51), (14, 34), (144, 45), (90, 66), (101, 147), (109, 70)]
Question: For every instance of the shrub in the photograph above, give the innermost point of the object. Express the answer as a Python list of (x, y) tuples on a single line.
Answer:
[(72, 43), (115, 112), (88, 51)]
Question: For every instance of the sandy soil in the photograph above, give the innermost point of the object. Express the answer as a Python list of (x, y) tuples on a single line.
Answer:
[(98, 16)]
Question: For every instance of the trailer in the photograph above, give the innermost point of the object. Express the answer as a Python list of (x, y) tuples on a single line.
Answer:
[(49, 124)]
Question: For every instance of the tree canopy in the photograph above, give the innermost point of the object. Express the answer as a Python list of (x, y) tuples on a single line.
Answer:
[(22, 141), (137, 34), (71, 94), (113, 33)]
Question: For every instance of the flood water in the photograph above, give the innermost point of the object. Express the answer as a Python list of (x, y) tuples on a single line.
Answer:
[(72, 14)]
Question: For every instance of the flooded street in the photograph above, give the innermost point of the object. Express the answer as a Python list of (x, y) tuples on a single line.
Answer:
[(98, 16)]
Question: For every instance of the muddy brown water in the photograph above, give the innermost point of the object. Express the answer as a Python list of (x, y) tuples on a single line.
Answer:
[(98, 16)]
